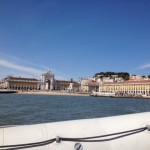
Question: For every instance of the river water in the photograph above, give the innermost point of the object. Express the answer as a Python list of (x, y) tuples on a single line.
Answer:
[(18, 109)]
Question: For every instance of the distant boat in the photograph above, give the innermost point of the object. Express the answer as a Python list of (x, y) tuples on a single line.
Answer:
[(7, 91)]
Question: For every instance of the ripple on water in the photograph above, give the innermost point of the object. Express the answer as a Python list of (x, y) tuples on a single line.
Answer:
[(18, 109)]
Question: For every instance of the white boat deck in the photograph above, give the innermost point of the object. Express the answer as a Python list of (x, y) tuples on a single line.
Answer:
[(82, 128)]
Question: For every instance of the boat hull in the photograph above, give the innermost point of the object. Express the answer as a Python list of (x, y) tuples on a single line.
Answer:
[(82, 128)]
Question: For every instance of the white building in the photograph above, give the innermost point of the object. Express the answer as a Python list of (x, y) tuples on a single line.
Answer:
[(46, 81), (107, 79), (138, 77), (119, 79)]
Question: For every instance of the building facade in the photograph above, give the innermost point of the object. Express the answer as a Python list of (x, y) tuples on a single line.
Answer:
[(47, 81), (141, 87), (89, 85), (19, 83), (63, 85)]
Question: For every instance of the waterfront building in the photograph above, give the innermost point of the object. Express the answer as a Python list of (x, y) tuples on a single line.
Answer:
[(133, 87), (1, 85), (84, 85), (46, 81), (93, 86), (19, 83), (89, 85), (63, 85)]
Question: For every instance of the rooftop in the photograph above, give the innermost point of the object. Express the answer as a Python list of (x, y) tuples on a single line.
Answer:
[(130, 82)]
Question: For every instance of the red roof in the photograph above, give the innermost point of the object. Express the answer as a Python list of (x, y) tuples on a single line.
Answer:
[(20, 78), (93, 84)]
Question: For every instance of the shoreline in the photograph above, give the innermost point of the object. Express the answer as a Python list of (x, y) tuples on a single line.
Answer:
[(59, 93), (121, 97)]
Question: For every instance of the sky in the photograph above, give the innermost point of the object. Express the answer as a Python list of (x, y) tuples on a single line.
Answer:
[(74, 38)]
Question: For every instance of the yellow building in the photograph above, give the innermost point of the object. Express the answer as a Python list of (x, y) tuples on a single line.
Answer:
[(88, 85), (141, 87), (19, 83)]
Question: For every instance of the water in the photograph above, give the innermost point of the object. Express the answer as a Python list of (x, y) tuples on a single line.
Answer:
[(18, 109)]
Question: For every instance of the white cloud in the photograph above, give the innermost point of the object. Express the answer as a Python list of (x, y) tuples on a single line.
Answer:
[(144, 66), (15, 59), (19, 67)]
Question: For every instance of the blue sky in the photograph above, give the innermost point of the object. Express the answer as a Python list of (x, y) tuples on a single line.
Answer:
[(74, 38)]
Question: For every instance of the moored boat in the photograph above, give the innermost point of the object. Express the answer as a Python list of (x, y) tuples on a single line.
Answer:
[(7, 91)]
